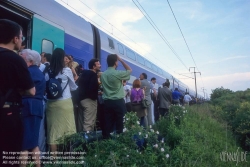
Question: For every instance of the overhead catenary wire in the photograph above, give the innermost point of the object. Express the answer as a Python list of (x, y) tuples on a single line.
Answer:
[(159, 33), (121, 32), (184, 39)]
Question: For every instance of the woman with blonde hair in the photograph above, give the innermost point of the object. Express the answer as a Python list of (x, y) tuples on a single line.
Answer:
[(69, 63), (137, 95)]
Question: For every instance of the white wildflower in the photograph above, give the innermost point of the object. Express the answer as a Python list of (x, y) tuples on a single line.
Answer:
[(167, 155), (138, 122), (117, 135), (146, 136), (95, 155), (162, 149), (127, 119), (124, 130), (156, 145), (139, 133), (150, 126), (127, 155), (152, 130), (137, 151), (157, 132)]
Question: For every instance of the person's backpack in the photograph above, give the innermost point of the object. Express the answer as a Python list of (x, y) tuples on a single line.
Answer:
[(54, 89), (138, 95)]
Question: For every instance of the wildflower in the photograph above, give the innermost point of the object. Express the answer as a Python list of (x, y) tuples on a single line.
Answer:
[(162, 149), (146, 136), (117, 135), (150, 126), (127, 155), (139, 133), (167, 155), (156, 145), (157, 132), (124, 130), (138, 122), (137, 151), (95, 155), (127, 119), (162, 140), (152, 130), (87, 131)]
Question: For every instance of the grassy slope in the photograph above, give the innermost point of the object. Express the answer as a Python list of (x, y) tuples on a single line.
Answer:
[(203, 140)]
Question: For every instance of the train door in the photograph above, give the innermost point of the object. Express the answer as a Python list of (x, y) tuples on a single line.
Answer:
[(46, 35), (19, 15)]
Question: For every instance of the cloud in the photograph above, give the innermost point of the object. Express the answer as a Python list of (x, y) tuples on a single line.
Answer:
[(226, 59), (235, 81)]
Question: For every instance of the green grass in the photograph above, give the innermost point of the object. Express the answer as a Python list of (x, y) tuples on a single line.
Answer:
[(192, 138), (203, 141)]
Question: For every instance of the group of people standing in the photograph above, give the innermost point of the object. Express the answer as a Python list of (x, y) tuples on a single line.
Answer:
[(29, 118), (160, 97)]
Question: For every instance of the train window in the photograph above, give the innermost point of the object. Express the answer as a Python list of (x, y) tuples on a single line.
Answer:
[(154, 67), (47, 46), (111, 43), (120, 48), (159, 71), (130, 54), (148, 64), (140, 60)]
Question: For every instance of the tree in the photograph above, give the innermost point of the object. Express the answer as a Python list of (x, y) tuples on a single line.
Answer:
[(218, 92)]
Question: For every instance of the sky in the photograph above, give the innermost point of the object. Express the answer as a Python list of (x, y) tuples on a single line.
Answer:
[(217, 33)]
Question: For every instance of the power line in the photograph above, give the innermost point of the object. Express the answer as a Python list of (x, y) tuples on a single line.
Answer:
[(184, 39), (158, 31), (116, 29)]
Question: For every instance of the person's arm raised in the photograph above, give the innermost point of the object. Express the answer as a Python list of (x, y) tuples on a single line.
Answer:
[(125, 65)]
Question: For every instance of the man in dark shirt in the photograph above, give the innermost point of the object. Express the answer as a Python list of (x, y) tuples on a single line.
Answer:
[(88, 93), (15, 81)]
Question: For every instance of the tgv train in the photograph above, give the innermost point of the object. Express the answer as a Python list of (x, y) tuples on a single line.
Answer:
[(48, 25)]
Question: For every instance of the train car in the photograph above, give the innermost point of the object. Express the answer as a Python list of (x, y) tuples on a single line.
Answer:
[(48, 25)]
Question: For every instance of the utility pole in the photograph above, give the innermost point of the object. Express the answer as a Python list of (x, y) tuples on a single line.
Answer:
[(203, 89), (195, 81)]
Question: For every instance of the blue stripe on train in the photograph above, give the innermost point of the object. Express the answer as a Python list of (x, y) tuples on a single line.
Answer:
[(83, 53)]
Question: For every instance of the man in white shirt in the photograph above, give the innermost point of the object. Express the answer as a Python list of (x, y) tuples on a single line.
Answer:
[(187, 99), (127, 92)]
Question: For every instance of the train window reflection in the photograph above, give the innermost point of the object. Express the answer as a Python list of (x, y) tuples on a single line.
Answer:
[(111, 44), (159, 71), (120, 48), (140, 60), (47, 46), (148, 64), (130, 54), (154, 67)]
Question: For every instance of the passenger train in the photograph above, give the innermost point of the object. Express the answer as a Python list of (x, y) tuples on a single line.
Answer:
[(48, 25)]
